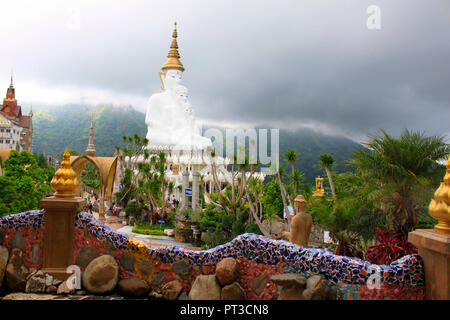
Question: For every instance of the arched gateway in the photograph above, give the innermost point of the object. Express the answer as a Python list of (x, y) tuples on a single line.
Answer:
[(106, 167)]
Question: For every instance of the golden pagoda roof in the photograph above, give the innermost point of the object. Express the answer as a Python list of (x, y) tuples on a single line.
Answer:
[(173, 58)]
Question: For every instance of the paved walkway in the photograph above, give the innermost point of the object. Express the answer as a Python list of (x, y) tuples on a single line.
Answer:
[(116, 223)]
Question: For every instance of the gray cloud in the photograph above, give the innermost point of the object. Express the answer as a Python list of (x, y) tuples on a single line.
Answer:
[(284, 63)]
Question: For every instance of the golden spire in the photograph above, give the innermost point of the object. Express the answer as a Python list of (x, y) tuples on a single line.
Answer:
[(64, 181), (90, 151), (439, 207), (173, 62)]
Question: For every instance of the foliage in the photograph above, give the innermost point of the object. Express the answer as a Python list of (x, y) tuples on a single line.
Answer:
[(23, 176), (404, 167), (133, 209), (389, 248), (253, 228), (155, 229), (272, 201)]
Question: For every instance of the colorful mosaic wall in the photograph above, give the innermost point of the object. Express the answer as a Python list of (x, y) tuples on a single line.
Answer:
[(258, 256)]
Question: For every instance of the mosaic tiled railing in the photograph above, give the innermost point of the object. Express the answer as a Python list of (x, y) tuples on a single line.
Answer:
[(257, 256)]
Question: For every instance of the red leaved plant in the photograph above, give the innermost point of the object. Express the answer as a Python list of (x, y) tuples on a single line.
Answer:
[(389, 248)]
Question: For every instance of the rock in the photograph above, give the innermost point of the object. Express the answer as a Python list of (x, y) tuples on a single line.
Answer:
[(233, 291), (109, 248), (182, 268), (158, 278), (144, 269), (18, 241), (315, 288), (126, 261), (227, 271), (4, 255), (133, 287), (51, 289), (48, 280), (86, 255), (171, 290), (291, 294), (155, 295), (36, 283), (2, 235), (289, 280), (169, 232), (205, 287), (56, 282), (331, 293), (101, 275), (259, 283), (35, 254), (183, 296), (64, 289), (16, 272)]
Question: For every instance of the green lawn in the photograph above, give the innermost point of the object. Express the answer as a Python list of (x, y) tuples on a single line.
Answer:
[(156, 229)]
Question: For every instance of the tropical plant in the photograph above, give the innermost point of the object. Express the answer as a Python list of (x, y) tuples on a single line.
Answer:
[(326, 162), (403, 168), (389, 248)]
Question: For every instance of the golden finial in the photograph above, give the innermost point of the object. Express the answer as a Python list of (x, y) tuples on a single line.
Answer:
[(173, 62), (439, 207), (65, 180)]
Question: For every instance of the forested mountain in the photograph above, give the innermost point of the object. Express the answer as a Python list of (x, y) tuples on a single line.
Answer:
[(56, 128)]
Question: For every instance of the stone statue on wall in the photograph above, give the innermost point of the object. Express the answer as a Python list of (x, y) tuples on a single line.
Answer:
[(300, 225)]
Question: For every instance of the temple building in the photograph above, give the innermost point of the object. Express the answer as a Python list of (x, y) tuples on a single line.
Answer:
[(16, 129)]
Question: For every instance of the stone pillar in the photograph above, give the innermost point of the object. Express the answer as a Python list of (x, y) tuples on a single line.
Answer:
[(59, 218), (185, 185), (434, 248), (195, 189)]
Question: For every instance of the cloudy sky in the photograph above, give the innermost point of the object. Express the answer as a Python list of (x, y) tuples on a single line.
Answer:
[(284, 64)]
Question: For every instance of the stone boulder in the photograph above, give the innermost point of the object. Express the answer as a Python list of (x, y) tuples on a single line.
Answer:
[(36, 283), (64, 288), (259, 283), (233, 291), (227, 271), (4, 255), (133, 287), (86, 255), (205, 287), (293, 285), (315, 288), (101, 275), (16, 272), (182, 268), (171, 290)]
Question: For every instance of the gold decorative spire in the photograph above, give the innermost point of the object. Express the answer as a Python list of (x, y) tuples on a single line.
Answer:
[(173, 62), (439, 207), (64, 181), (90, 151)]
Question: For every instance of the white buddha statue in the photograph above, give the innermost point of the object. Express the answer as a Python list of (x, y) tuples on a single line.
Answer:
[(170, 119)]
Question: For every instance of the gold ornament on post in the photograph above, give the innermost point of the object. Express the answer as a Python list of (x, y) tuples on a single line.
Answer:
[(439, 207), (65, 181)]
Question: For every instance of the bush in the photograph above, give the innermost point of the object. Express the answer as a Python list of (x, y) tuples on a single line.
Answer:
[(195, 216), (253, 228), (133, 208), (238, 228), (389, 248), (186, 212)]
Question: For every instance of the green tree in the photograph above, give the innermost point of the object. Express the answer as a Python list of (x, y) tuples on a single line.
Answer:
[(403, 168), (326, 162), (24, 183)]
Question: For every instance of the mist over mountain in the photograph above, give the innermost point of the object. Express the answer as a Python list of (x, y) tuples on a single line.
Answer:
[(56, 128)]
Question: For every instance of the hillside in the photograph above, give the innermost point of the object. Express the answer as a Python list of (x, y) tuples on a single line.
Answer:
[(56, 128)]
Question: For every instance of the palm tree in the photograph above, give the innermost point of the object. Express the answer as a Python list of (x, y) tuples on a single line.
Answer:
[(401, 165), (326, 162), (291, 156)]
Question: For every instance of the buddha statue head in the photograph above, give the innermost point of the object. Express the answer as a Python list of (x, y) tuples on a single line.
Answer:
[(300, 204)]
